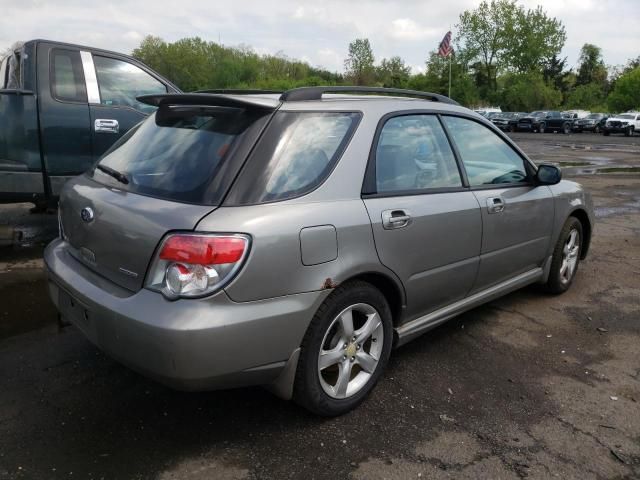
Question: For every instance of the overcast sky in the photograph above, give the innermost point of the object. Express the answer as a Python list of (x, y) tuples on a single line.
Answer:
[(318, 32)]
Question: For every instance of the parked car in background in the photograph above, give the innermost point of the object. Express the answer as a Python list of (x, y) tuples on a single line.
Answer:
[(556, 122), (594, 122), (576, 114), (170, 245), (531, 122), (508, 121), (486, 110), (626, 123), (61, 107)]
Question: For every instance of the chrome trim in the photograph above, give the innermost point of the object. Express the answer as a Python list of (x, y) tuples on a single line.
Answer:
[(416, 327), (90, 78)]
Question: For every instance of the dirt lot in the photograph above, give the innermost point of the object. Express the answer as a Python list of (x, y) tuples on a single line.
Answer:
[(530, 385)]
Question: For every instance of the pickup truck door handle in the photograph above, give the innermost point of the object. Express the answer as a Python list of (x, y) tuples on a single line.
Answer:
[(495, 204), (103, 125), (392, 219)]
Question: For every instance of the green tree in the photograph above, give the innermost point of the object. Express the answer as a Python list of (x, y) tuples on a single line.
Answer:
[(528, 91), (589, 96), (359, 65), (626, 93), (592, 68), (536, 40), (486, 34), (393, 72)]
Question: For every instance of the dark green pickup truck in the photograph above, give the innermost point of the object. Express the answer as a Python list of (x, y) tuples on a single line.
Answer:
[(61, 107)]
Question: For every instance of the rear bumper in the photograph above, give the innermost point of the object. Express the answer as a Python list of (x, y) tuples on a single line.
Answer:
[(194, 344)]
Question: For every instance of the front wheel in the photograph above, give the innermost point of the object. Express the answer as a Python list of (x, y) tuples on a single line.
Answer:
[(541, 127), (566, 257), (566, 129), (345, 350), (606, 134), (596, 129), (628, 132)]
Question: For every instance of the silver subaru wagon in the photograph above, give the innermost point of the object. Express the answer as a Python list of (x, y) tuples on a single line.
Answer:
[(293, 240)]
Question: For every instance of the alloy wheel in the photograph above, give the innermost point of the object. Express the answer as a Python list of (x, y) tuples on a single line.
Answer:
[(570, 254), (350, 350)]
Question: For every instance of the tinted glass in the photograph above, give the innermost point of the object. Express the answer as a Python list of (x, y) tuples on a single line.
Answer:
[(67, 82), (121, 82), (594, 116), (413, 153), (296, 154), (628, 117), (177, 153), (487, 158)]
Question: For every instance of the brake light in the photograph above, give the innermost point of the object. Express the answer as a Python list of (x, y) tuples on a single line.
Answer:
[(195, 265)]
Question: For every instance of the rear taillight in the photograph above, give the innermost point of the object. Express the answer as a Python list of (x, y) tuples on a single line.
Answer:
[(194, 265)]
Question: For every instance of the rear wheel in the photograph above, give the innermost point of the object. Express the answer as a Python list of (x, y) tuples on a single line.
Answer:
[(345, 350), (566, 257), (542, 127), (596, 129), (628, 132), (566, 129), (606, 134)]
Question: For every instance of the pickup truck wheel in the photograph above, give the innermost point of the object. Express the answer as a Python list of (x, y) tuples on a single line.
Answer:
[(596, 129), (512, 128), (628, 132), (606, 134), (542, 127), (566, 257), (345, 350), (566, 129)]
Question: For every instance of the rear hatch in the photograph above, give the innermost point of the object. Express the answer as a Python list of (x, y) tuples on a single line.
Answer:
[(163, 176)]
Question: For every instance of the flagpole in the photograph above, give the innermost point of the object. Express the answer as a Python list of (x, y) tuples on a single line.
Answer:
[(449, 74)]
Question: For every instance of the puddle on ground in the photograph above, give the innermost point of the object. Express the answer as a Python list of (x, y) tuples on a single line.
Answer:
[(619, 170), (628, 207)]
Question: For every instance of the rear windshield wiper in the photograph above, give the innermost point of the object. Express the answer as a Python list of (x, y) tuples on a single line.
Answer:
[(121, 177)]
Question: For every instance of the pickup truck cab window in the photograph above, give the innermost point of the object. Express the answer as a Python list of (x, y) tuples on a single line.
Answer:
[(487, 159), (121, 82), (67, 78), (413, 154)]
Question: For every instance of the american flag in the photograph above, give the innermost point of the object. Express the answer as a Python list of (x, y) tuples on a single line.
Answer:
[(445, 49)]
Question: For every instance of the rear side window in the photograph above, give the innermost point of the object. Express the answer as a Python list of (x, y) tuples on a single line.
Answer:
[(487, 158), (295, 155), (121, 82), (67, 77), (413, 154), (178, 153)]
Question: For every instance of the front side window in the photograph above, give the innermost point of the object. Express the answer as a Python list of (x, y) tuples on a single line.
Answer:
[(121, 82), (487, 159), (413, 153), (67, 77), (295, 155)]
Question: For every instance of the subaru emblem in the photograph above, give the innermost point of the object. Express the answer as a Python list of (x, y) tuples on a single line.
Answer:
[(86, 214)]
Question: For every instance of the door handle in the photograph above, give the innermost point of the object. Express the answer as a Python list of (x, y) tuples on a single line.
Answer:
[(392, 219), (104, 125), (495, 204)]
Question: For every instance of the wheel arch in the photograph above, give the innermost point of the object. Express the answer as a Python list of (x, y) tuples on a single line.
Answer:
[(389, 287), (587, 230)]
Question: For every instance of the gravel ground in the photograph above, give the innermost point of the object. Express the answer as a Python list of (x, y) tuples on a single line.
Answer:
[(529, 385)]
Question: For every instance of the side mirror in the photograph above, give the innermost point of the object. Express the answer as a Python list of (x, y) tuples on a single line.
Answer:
[(548, 116), (548, 174)]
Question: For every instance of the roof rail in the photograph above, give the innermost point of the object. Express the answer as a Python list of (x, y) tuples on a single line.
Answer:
[(237, 91), (315, 93)]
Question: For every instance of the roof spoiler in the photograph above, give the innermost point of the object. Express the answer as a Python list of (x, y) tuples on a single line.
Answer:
[(237, 101)]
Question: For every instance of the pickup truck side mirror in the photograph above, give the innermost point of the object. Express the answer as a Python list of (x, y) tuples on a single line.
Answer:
[(548, 116), (548, 174)]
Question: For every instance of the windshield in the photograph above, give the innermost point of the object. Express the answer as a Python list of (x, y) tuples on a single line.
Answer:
[(595, 115), (538, 114), (627, 117), (176, 153)]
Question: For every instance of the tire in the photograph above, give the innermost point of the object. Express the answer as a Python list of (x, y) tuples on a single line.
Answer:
[(566, 129), (628, 132), (328, 392), (512, 128), (566, 257), (542, 127), (606, 134), (596, 129)]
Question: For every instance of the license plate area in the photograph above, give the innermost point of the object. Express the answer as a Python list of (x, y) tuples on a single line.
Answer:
[(75, 312)]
